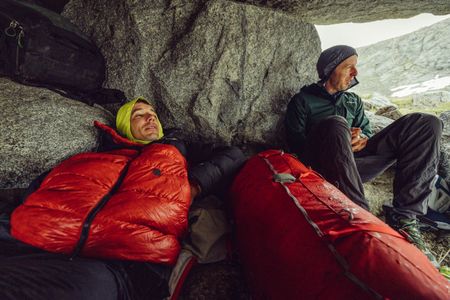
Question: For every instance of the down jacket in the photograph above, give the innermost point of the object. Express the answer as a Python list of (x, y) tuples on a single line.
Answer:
[(130, 203)]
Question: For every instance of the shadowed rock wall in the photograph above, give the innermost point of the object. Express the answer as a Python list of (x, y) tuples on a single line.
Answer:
[(221, 70), (218, 69)]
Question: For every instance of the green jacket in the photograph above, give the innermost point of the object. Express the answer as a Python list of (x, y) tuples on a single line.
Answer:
[(312, 104)]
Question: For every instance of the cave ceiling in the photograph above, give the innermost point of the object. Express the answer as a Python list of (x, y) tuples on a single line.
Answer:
[(331, 11)]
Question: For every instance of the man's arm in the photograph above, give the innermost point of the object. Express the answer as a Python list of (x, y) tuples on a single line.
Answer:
[(216, 171), (361, 121), (295, 123)]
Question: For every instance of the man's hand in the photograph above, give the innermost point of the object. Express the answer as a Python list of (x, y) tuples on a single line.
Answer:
[(358, 142), (195, 189)]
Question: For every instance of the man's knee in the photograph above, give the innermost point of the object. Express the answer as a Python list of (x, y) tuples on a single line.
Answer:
[(334, 125), (434, 123), (426, 121)]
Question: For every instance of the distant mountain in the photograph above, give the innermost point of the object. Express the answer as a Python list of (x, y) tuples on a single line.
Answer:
[(420, 59)]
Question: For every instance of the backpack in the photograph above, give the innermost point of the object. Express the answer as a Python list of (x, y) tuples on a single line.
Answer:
[(41, 48), (437, 218), (439, 199)]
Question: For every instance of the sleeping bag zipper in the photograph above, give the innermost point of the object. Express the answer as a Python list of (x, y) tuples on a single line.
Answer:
[(95, 210)]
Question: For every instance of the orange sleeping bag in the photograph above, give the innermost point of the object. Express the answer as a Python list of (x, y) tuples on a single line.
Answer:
[(123, 204), (299, 237)]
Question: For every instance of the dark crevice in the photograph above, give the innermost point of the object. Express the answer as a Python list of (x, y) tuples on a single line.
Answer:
[(191, 105), (244, 52), (234, 86), (158, 94), (177, 37), (219, 54)]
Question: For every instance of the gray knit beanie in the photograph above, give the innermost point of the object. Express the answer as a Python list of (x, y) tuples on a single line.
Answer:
[(330, 58)]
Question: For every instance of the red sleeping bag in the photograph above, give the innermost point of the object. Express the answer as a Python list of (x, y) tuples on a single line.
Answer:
[(299, 237)]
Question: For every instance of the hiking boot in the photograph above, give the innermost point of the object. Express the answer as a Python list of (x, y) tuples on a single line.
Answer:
[(445, 271), (410, 229)]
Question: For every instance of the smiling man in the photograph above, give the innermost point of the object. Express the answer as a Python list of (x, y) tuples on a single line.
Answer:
[(144, 122), (327, 128), (138, 122)]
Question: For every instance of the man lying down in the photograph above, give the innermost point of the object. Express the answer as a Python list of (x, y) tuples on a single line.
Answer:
[(108, 224)]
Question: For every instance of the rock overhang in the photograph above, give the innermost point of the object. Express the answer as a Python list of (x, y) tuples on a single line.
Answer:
[(330, 12), (333, 12)]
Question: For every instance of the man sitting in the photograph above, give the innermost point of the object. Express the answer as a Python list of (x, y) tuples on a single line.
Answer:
[(328, 130)]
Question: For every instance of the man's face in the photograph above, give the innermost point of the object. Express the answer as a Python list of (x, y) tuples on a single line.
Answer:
[(144, 125), (343, 75)]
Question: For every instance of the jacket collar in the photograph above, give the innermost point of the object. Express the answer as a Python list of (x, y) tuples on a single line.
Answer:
[(116, 137), (317, 89)]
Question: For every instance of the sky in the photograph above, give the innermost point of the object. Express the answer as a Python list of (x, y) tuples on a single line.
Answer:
[(363, 34)]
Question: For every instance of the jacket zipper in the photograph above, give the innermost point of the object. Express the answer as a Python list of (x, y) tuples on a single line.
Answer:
[(11, 32), (95, 210)]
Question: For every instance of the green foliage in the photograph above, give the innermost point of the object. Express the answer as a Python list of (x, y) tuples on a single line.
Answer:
[(406, 109), (405, 105), (402, 102)]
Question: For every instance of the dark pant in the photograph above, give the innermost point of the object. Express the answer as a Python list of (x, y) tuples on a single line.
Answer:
[(412, 142)]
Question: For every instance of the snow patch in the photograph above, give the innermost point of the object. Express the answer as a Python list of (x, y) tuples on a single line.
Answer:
[(416, 88)]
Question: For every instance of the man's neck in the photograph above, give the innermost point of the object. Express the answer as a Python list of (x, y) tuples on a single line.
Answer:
[(330, 90)]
